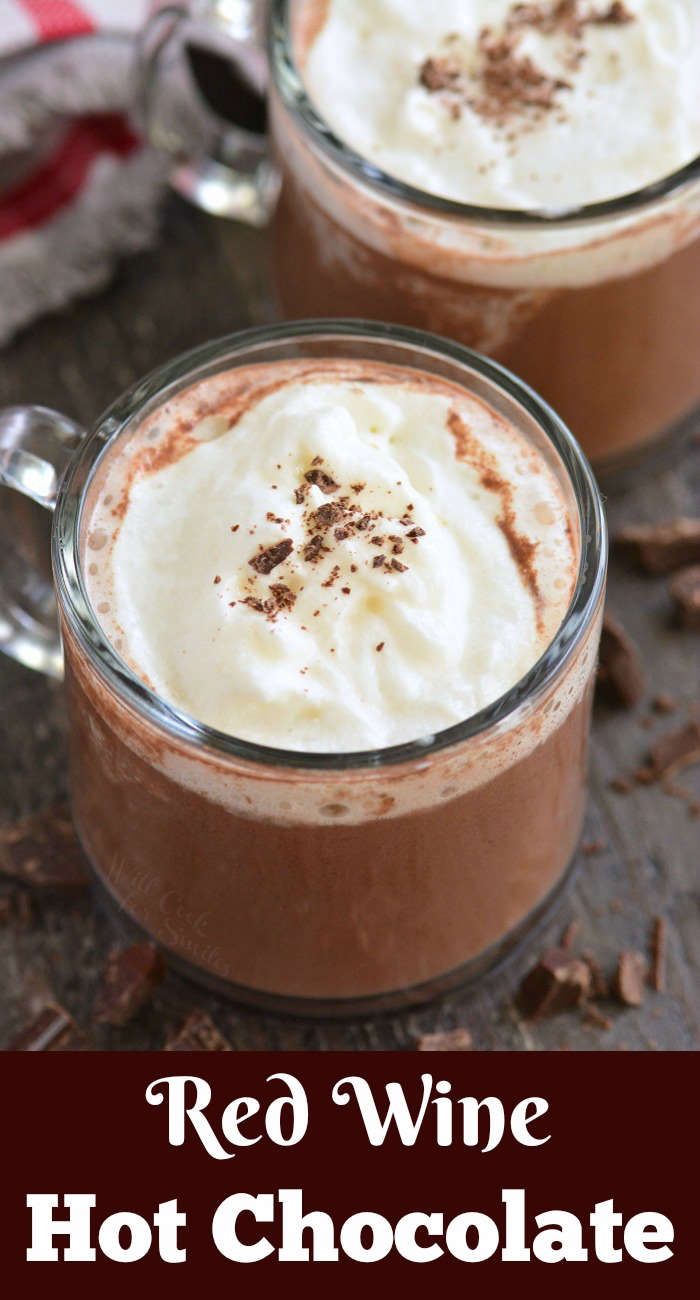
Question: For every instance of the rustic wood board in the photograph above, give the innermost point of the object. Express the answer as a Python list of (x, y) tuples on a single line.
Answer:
[(205, 279)]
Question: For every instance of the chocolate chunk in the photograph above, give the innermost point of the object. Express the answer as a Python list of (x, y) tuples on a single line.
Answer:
[(53, 1030), (657, 970), (449, 1040), (569, 935), (557, 982), (321, 480), (197, 1034), (266, 561), (594, 1017), (675, 750), (599, 984), (630, 978), (660, 548), (43, 850), (621, 784), (129, 979), (620, 674), (685, 591)]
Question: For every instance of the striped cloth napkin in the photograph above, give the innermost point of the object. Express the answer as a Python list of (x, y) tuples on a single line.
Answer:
[(78, 189)]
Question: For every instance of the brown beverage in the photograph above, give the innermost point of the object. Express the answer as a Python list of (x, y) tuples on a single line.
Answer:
[(465, 178), (339, 760)]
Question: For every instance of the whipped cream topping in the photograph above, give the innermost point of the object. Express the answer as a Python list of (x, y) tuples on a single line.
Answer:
[(549, 104), (328, 559)]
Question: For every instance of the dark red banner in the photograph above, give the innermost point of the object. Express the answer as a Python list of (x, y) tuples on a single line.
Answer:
[(192, 1165)]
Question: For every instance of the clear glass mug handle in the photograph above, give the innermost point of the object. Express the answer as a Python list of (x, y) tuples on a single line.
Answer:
[(36, 446), (201, 75)]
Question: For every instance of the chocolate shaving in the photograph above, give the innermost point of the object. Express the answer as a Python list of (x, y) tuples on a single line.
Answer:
[(332, 576), (283, 596), (398, 567), (267, 560), (557, 982), (321, 480), (130, 977), (378, 561), (685, 591), (630, 978), (440, 74), (615, 14), (52, 1030), (620, 674), (657, 970), (661, 548), (326, 515), (42, 850), (197, 1034), (448, 1040), (312, 550)]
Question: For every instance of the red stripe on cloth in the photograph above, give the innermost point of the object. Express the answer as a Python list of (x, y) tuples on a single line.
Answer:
[(55, 20), (54, 185)]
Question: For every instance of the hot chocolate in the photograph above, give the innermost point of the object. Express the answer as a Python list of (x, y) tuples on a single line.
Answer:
[(332, 557), (461, 168), (353, 584)]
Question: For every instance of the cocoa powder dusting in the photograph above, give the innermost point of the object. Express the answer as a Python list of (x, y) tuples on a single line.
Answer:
[(522, 549)]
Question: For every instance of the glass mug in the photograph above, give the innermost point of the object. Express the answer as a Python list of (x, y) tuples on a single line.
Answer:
[(598, 307), (325, 883)]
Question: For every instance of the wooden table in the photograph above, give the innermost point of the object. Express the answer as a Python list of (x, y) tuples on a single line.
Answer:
[(208, 278)]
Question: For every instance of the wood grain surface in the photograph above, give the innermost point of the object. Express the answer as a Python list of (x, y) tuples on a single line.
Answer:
[(208, 278)]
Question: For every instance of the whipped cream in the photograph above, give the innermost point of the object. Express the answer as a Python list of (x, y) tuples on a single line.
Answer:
[(565, 105), (327, 560)]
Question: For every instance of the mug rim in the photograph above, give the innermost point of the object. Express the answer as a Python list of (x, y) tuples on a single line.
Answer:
[(123, 681), (290, 85)]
